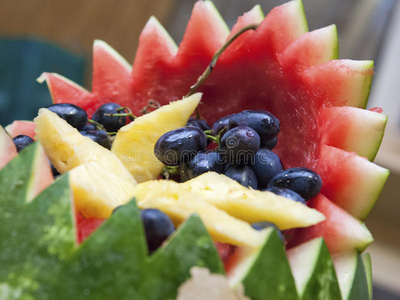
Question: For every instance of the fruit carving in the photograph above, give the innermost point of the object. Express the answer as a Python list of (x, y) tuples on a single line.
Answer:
[(316, 102)]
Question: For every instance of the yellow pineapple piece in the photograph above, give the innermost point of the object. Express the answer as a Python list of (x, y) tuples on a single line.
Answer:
[(67, 148), (252, 205), (97, 191), (174, 200), (134, 143)]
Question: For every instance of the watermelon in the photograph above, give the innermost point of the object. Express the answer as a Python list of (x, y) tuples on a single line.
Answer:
[(39, 246), (41, 170), (7, 148), (341, 231), (280, 67), (293, 73), (19, 127)]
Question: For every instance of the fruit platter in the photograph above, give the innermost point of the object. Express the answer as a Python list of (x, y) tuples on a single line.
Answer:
[(238, 165)]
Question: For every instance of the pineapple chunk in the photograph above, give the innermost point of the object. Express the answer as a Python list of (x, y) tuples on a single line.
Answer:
[(67, 148), (174, 200), (97, 191), (134, 143), (251, 205)]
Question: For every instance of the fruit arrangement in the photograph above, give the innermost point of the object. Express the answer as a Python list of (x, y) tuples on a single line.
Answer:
[(273, 195)]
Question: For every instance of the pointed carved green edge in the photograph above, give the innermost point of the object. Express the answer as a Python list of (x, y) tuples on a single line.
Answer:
[(40, 260)]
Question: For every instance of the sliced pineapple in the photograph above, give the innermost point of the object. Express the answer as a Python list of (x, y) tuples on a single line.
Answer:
[(252, 205), (67, 148), (134, 143), (97, 191), (177, 202)]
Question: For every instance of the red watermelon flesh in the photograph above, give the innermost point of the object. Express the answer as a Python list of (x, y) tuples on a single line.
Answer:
[(340, 230), (7, 148), (261, 70), (21, 128), (85, 227)]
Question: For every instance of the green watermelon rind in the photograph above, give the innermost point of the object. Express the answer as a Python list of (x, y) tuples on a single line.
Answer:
[(217, 16), (40, 236), (384, 175), (365, 129), (335, 50), (72, 261), (366, 86), (313, 271), (302, 14), (377, 141), (260, 14), (366, 258), (352, 275)]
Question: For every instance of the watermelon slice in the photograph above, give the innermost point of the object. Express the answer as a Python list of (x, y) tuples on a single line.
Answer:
[(7, 148), (41, 173), (313, 270), (39, 250), (293, 73), (340, 230), (352, 275), (21, 127)]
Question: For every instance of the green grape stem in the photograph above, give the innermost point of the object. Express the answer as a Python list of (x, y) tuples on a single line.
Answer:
[(98, 125), (214, 60)]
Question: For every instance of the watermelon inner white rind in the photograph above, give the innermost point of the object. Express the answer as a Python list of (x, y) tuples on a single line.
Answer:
[(366, 257), (313, 271), (353, 130), (302, 260), (351, 275)]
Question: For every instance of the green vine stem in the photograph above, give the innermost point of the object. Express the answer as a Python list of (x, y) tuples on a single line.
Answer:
[(167, 171), (152, 104), (129, 114), (214, 60), (98, 125)]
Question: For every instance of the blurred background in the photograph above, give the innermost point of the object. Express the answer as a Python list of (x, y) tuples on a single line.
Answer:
[(57, 36)]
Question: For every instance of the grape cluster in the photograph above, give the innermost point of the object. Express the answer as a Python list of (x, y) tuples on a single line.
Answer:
[(106, 120), (244, 153)]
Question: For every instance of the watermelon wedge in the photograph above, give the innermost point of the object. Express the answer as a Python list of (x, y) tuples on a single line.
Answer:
[(21, 127), (280, 67), (7, 148), (340, 230)]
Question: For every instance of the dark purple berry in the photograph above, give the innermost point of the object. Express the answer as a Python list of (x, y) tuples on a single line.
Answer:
[(220, 126), (263, 122), (264, 225), (269, 144), (289, 194), (74, 115), (99, 136), (54, 170), (239, 145), (204, 162), (103, 116), (89, 127), (180, 145), (303, 181), (158, 227), (266, 165), (22, 141), (200, 123), (245, 176)]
